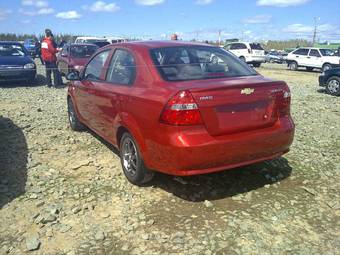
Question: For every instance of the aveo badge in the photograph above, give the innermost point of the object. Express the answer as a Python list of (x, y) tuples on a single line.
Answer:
[(247, 91)]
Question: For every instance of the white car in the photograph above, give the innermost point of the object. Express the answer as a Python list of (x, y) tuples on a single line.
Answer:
[(251, 53), (88, 39), (311, 58)]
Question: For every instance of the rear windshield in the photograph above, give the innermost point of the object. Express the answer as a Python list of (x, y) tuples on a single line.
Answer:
[(12, 50), (256, 46), (83, 51), (198, 62)]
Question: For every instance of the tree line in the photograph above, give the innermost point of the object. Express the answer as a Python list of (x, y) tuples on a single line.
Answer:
[(268, 45), (22, 37)]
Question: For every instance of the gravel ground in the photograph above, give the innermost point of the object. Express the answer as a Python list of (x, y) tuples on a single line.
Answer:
[(63, 192)]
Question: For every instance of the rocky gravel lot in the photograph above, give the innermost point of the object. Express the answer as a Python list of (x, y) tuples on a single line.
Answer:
[(63, 192)]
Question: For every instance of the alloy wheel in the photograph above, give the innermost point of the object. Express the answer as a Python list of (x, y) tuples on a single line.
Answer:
[(333, 86), (130, 156)]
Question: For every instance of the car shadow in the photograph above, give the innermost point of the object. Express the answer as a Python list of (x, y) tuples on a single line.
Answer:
[(224, 184), (13, 161), (39, 81)]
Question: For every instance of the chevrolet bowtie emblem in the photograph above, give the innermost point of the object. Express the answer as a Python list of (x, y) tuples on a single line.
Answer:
[(247, 91)]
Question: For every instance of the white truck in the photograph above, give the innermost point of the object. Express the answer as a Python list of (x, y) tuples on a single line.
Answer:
[(311, 58)]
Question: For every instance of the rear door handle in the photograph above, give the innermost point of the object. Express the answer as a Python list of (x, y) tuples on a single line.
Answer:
[(308, 57)]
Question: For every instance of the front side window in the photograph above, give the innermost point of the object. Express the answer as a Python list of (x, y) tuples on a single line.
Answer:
[(314, 53), (95, 67), (302, 52), (122, 69), (197, 62)]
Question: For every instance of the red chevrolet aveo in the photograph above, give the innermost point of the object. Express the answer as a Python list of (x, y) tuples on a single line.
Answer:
[(180, 108)]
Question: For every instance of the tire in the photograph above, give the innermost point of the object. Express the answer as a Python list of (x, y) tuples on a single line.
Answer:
[(132, 162), (333, 86), (293, 66), (243, 59), (326, 67), (309, 69), (75, 124), (257, 64)]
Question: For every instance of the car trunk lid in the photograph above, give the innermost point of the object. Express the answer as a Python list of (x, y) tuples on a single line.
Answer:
[(238, 104)]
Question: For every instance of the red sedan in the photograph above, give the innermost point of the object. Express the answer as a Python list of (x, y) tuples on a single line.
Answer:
[(180, 108), (74, 56)]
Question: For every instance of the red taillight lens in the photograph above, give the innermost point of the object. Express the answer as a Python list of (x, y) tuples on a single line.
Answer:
[(283, 102), (181, 110)]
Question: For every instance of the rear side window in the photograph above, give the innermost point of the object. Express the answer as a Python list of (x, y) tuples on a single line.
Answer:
[(303, 52), (95, 67), (122, 69), (314, 53), (256, 46), (197, 62)]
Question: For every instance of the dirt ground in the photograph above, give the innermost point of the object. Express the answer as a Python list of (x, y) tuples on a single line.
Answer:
[(63, 192)]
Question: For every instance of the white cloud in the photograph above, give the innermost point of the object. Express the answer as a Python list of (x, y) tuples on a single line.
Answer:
[(204, 2), (149, 2), (280, 3), (68, 15), (4, 14), (45, 11), (100, 6), (35, 3), (304, 29), (258, 19)]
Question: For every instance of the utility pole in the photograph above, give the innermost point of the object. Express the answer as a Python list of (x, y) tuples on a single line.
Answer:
[(219, 37), (315, 28)]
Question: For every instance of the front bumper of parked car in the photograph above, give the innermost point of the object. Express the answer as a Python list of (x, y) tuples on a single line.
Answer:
[(17, 74), (322, 80)]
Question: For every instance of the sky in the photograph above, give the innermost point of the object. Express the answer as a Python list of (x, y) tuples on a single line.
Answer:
[(251, 20)]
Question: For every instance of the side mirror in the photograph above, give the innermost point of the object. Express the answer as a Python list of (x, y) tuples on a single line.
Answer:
[(73, 76)]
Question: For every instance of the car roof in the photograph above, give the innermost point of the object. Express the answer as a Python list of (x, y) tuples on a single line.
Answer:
[(80, 44), (157, 44)]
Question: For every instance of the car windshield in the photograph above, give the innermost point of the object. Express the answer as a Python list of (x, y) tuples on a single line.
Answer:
[(12, 50), (327, 52), (198, 62), (94, 40), (256, 46), (83, 51)]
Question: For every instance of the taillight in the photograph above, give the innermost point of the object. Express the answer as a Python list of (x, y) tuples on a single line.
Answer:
[(181, 110), (283, 102)]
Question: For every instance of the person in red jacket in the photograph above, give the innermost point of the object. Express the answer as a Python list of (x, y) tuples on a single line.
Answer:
[(48, 54)]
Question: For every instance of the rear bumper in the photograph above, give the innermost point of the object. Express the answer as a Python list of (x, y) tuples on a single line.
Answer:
[(256, 59), (194, 151)]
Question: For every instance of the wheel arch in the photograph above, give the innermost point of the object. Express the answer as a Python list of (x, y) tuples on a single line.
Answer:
[(128, 124)]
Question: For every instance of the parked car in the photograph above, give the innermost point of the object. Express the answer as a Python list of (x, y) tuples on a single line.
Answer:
[(168, 107), (311, 58), (30, 46), (274, 57), (251, 53), (15, 63), (74, 56), (331, 80)]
